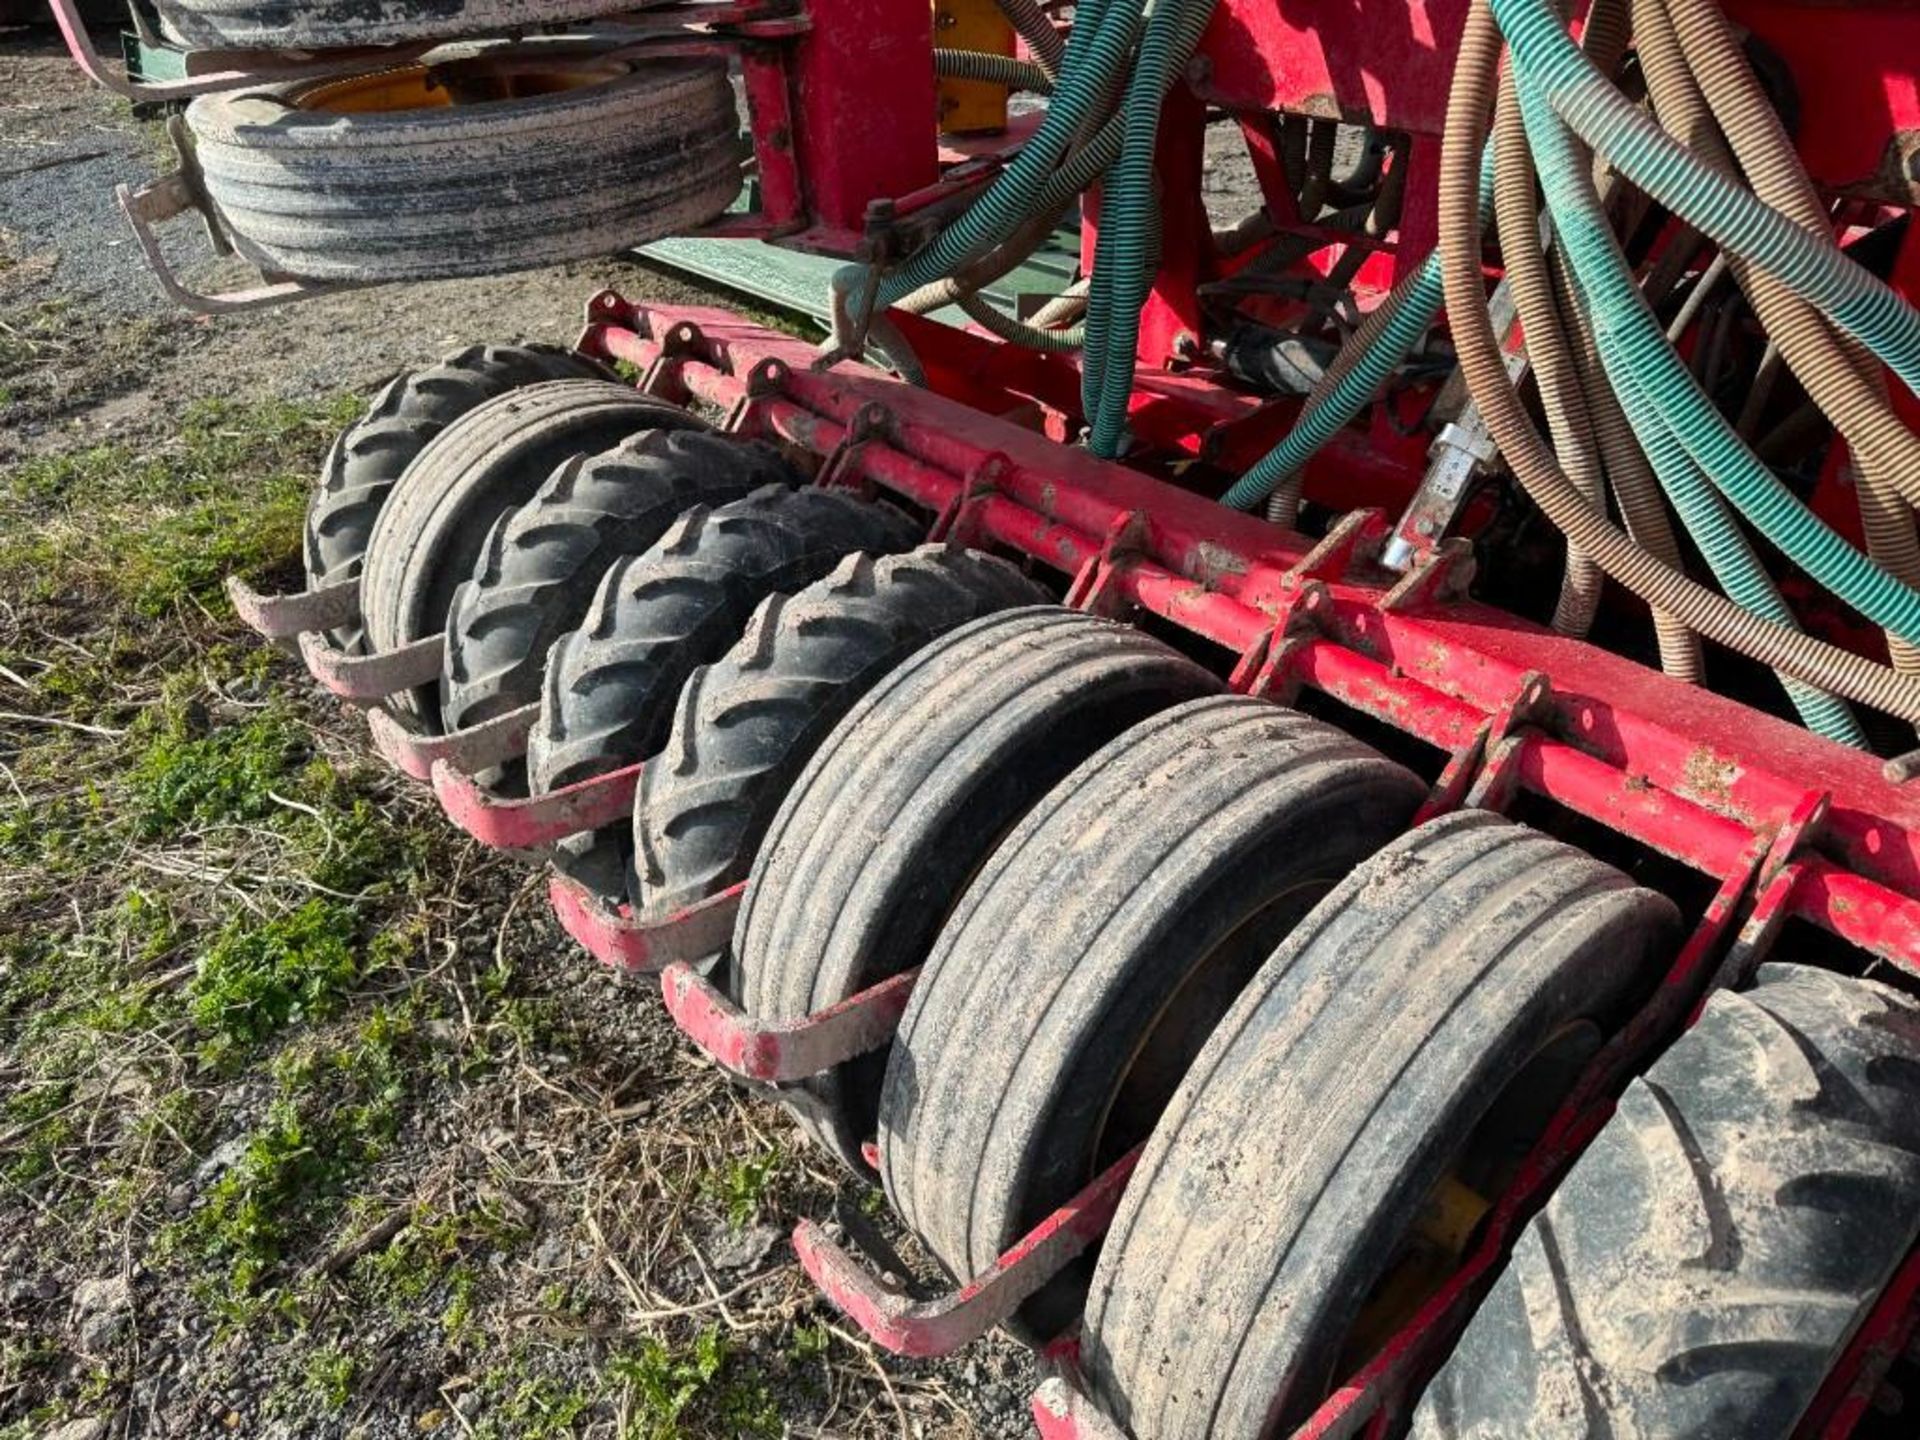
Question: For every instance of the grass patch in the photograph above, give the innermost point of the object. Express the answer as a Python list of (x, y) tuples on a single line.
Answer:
[(157, 528), (666, 1385), (257, 979)]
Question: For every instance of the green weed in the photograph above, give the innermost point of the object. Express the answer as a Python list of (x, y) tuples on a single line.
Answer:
[(663, 1384), (741, 1186), (255, 979)]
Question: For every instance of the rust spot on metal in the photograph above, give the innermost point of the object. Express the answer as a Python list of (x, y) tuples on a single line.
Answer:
[(1211, 561), (1709, 777)]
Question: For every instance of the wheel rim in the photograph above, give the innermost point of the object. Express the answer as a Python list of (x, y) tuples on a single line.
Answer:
[(465, 83)]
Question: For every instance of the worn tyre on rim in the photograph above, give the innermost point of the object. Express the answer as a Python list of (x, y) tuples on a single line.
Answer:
[(611, 685), (331, 24), (747, 724), (473, 167), (371, 454), (430, 532), (1394, 1058), (1701, 1268), (908, 798), (1084, 968)]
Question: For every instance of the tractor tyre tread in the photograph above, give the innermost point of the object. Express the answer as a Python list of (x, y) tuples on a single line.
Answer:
[(907, 798), (435, 192), (543, 560), (429, 534), (372, 453), (746, 724), (610, 687), (1332, 1100), (1704, 1263), (1129, 907)]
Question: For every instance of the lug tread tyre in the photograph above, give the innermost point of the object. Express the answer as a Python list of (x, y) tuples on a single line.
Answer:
[(1091, 958), (1331, 1101), (481, 189), (611, 685), (304, 24), (373, 452), (543, 561), (1702, 1266), (746, 725), (909, 796), (429, 534)]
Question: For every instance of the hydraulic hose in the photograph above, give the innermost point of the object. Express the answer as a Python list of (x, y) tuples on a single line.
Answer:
[(992, 69), (1127, 254), (1734, 218), (1633, 344), (1103, 38), (1658, 413), (1031, 24), (1695, 63), (1530, 282), (1385, 337), (1713, 616)]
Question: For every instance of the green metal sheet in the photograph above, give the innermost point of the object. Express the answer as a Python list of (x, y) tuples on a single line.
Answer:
[(791, 281)]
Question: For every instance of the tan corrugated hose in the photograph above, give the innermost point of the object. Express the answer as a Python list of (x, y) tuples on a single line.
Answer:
[(1663, 587)]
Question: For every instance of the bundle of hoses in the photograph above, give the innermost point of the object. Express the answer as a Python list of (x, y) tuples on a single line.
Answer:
[(1824, 313), (1621, 406), (1102, 122)]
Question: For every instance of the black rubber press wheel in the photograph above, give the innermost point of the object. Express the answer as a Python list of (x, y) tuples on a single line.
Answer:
[(611, 685), (747, 724), (374, 452), (1701, 1268), (544, 560), (1396, 1056), (1083, 970), (907, 799), (430, 532), (480, 165)]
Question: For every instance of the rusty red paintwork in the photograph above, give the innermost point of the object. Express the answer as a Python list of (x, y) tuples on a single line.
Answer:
[(531, 822), (281, 617), (1690, 773), (368, 678), (940, 1326), (613, 935), (1516, 707), (491, 742), (779, 1051)]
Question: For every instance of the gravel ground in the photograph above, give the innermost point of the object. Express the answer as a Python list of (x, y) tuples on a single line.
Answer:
[(475, 1188)]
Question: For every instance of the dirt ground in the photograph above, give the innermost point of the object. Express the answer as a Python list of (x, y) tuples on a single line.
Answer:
[(311, 1120)]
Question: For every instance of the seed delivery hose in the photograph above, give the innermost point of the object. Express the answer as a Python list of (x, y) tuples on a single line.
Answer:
[(1805, 659)]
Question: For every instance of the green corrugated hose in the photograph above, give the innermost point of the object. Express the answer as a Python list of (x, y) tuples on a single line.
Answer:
[(1103, 38), (1127, 256), (1636, 348), (1735, 218), (1406, 314)]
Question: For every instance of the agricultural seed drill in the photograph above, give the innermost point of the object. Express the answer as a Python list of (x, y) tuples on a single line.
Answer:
[(1326, 807)]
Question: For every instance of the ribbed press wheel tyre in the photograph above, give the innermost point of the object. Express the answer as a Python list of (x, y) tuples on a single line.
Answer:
[(1395, 1051), (907, 799), (1088, 963), (429, 534), (1702, 1267), (479, 166), (746, 725), (329, 24), (373, 452), (611, 685), (543, 560)]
